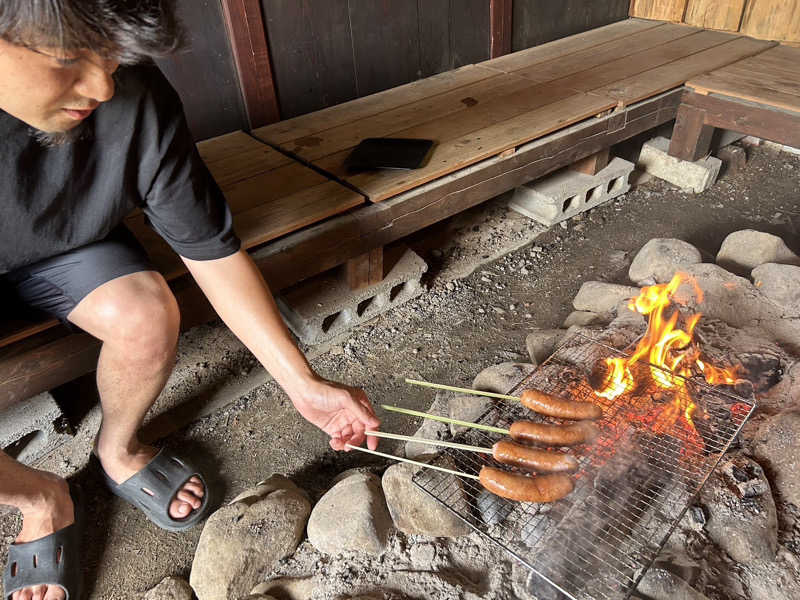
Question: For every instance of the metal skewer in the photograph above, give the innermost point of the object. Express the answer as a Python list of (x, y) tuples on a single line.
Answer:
[(450, 388), (424, 415), (413, 462), (408, 438)]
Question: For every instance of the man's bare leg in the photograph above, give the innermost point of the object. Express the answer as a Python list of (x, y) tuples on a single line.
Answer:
[(137, 318)]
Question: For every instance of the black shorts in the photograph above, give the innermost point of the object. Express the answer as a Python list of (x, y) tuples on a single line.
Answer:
[(56, 285)]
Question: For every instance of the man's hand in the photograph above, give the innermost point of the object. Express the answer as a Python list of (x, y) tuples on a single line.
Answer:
[(341, 411)]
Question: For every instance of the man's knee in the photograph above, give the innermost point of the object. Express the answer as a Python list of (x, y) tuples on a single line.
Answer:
[(137, 312)]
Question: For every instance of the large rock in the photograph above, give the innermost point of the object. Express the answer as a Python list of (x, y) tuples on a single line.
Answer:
[(777, 447), (358, 501), (776, 580), (742, 251), (660, 584), (287, 588), (602, 297), (170, 588), (745, 528), (584, 318), (779, 283), (468, 408), (503, 377), (414, 511), (660, 258), (242, 540), (541, 343), (430, 429)]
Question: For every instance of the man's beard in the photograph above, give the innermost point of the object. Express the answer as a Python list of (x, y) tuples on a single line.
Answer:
[(52, 139)]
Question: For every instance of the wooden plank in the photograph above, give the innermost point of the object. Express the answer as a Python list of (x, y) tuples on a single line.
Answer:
[(691, 137), (365, 270), (16, 330), (249, 44), (204, 74), (715, 14), (469, 31), (684, 48), (676, 73), (435, 47), (237, 156), (536, 22), (311, 47), (662, 10), (307, 126), (565, 46), (772, 19), (593, 164), (606, 56), (500, 14)]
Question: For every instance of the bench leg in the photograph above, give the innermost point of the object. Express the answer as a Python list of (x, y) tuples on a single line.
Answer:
[(592, 164), (691, 137), (366, 269)]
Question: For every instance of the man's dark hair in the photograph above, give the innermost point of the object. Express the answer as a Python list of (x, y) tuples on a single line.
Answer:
[(127, 30)]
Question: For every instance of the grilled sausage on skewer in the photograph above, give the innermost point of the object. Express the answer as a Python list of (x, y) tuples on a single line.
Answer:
[(553, 435), (533, 459), (514, 486), (546, 404)]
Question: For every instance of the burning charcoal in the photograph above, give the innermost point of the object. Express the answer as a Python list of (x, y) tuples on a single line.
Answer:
[(764, 371), (698, 515), (745, 480), (493, 509)]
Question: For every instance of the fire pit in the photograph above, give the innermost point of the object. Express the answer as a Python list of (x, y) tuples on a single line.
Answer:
[(668, 417)]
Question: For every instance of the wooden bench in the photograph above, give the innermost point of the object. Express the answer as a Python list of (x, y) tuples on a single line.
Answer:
[(758, 96), (497, 125)]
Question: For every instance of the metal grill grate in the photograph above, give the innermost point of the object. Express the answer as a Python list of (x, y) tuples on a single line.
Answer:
[(633, 486)]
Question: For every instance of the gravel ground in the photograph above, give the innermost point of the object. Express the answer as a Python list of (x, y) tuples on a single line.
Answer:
[(494, 275)]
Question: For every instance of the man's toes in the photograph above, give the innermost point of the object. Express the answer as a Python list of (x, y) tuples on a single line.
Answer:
[(23, 595), (194, 486), (190, 499), (38, 592), (55, 592)]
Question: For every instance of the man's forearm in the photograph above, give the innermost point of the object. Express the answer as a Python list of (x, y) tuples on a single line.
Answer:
[(241, 297)]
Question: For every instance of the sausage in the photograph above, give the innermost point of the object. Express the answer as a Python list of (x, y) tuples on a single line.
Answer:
[(533, 459), (515, 486), (546, 404), (553, 435)]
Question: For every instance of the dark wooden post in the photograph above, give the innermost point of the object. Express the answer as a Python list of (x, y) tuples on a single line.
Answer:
[(366, 269), (691, 137), (500, 12)]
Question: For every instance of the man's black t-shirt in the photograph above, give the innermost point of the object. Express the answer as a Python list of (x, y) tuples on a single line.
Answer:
[(137, 152)]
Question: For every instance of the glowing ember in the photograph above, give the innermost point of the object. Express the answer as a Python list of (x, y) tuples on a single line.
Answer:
[(669, 347)]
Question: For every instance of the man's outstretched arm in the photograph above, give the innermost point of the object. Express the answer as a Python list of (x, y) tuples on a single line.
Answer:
[(241, 297)]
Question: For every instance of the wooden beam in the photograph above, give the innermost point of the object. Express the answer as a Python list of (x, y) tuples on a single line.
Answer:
[(245, 24), (592, 164), (365, 269), (500, 15), (691, 137)]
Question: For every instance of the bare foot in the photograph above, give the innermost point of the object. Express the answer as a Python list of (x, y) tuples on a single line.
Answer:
[(121, 466), (50, 512)]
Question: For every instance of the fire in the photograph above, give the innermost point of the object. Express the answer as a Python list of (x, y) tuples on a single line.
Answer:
[(669, 347)]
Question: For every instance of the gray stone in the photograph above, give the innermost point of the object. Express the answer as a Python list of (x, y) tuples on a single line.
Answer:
[(628, 318), (170, 588), (660, 584), (325, 306), (584, 318), (467, 408), (358, 501), (242, 540), (742, 251), (541, 343), (660, 258), (771, 580), (28, 429), (602, 297), (430, 429), (777, 447), (414, 511), (288, 588), (566, 193), (502, 378), (695, 176), (779, 283), (747, 529)]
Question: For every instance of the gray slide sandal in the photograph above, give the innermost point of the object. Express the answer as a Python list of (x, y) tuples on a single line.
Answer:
[(153, 488), (53, 560)]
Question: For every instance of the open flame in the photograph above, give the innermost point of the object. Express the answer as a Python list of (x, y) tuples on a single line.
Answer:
[(669, 347)]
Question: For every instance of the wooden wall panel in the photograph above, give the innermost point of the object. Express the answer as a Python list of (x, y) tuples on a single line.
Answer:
[(535, 22), (310, 44), (204, 72), (715, 14), (772, 19), (662, 10)]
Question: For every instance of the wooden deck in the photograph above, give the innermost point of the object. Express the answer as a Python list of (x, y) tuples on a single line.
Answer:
[(493, 107)]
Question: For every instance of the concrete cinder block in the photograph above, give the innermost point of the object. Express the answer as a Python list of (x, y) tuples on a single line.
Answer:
[(566, 193), (695, 176), (323, 307), (31, 429)]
